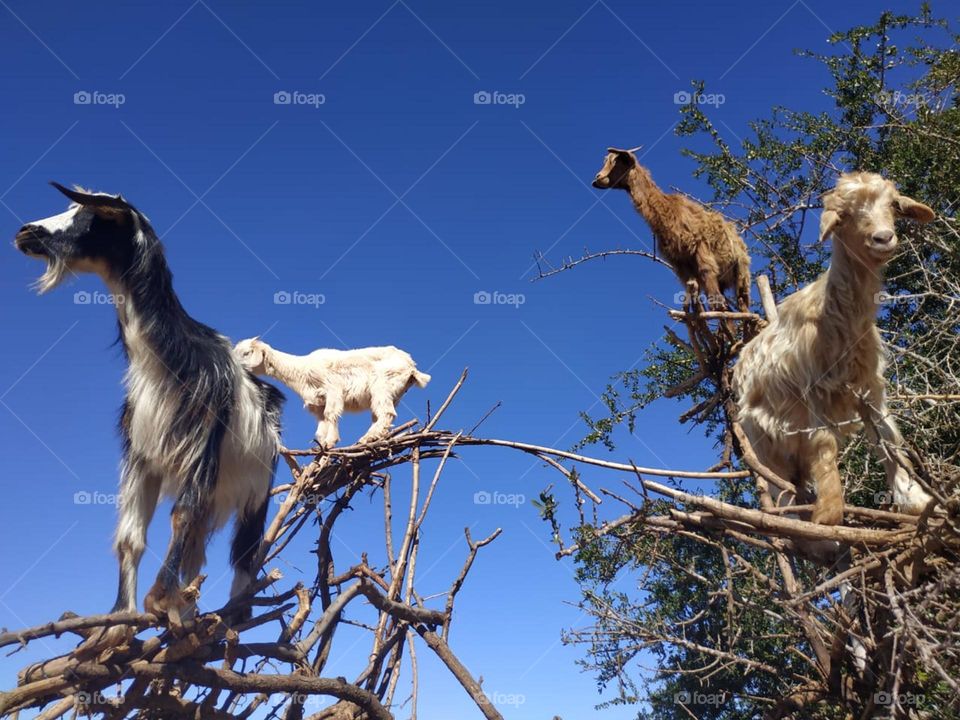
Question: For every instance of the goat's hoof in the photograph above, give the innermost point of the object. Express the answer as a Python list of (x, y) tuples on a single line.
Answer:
[(160, 601), (827, 516), (105, 641)]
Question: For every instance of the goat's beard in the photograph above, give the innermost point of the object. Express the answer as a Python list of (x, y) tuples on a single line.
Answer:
[(56, 270)]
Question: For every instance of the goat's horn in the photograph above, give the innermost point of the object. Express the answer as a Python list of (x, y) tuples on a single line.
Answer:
[(96, 199)]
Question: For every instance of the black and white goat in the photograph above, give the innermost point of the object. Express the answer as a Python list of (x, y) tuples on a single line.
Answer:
[(196, 425)]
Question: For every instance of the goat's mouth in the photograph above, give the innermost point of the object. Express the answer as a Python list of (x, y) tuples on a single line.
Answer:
[(882, 250), (31, 244), (601, 183)]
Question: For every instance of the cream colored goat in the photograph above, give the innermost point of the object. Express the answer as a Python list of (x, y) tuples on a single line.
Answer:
[(332, 382), (815, 374)]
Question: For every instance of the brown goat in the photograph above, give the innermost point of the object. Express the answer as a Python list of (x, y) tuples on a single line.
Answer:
[(699, 243)]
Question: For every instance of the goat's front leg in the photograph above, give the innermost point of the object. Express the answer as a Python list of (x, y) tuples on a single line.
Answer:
[(821, 458), (708, 276), (887, 442), (384, 413), (328, 429), (139, 492), (710, 284)]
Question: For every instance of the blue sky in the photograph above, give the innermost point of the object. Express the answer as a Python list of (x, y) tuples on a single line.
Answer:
[(397, 199)]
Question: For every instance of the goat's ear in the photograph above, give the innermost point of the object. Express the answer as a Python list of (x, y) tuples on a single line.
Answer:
[(909, 208), (624, 154), (828, 221), (96, 201)]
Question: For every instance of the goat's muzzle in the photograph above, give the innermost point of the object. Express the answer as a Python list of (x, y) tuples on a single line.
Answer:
[(30, 241), (601, 182), (883, 242)]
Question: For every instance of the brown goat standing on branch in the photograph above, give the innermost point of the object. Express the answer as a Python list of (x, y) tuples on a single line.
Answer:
[(815, 374), (700, 244)]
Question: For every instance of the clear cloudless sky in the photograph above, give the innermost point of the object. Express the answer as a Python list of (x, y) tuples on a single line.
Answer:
[(396, 199)]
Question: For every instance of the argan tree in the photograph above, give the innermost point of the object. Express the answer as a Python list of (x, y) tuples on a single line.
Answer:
[(728, 618)]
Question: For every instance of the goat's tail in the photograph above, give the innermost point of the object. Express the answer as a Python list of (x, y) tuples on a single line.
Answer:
[(420, 378)]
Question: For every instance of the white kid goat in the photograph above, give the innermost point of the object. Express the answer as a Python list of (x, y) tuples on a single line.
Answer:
[(332, 382)]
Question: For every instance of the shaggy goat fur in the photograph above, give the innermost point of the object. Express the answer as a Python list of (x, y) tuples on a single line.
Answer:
[(699, 243), (815, 375), (332, 382), (196, 426)]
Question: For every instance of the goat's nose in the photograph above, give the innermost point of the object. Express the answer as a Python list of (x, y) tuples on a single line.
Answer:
[(29, 239), (27, 232), (882, 237)]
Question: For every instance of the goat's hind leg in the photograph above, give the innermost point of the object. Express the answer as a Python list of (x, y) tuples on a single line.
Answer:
[(384, 413), (245, 550), (189, 525), (822, 451)]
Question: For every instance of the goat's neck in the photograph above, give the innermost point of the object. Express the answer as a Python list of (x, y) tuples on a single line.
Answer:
[(289, 369), (852, 289), (648, 199), (148, 310)]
